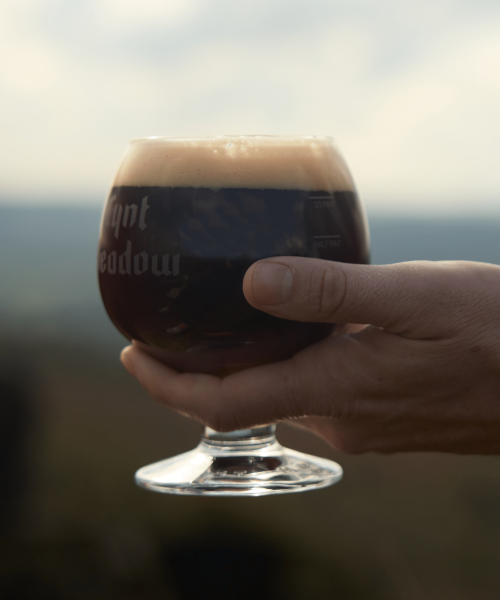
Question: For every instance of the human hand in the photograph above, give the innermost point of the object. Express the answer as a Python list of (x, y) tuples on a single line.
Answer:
[(425, 375)]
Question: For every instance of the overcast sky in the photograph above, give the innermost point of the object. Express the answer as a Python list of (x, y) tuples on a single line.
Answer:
[(409, 89)]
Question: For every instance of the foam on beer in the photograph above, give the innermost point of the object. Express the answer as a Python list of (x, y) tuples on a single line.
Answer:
[(259, 162)]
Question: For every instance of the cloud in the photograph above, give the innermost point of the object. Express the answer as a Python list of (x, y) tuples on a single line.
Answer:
[(410, 90), (127, 15), (434, 132)]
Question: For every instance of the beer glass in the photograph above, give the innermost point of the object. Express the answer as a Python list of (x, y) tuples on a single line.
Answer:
[(184, 220)]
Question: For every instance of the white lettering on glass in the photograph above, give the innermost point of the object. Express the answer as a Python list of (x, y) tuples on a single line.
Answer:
[(114, 213), (115, 219), (125, 260), (144, 208), (132, 210), (140, 262), (112, 263)]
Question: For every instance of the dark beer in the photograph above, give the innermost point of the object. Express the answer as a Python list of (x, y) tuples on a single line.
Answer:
[(172, 257)]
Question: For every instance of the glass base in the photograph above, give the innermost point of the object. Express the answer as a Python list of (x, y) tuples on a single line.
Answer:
[(240, 463)]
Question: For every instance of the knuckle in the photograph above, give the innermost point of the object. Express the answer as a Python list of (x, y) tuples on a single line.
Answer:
[(329, 289), (343, 391)]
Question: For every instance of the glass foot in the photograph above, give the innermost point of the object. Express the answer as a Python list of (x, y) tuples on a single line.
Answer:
[(245, 463)]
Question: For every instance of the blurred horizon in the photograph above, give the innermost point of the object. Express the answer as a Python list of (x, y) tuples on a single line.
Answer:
[(48, 260), (458, 208)]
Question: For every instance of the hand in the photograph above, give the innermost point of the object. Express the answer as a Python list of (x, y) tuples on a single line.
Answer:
[(425, 375)]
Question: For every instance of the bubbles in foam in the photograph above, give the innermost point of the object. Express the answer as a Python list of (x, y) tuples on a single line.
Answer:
[(265, 162)]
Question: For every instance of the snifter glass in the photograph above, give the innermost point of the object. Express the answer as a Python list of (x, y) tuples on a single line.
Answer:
[(184, 220)]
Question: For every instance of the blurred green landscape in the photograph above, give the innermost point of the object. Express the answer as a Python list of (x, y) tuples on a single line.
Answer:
[(74, 426)]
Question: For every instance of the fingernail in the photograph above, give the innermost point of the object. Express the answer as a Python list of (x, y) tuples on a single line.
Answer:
[(272, 283)]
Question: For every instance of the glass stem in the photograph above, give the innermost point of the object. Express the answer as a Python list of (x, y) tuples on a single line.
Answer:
[(242, 439)]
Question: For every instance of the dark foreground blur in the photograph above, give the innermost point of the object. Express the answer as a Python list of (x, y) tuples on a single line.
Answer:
[(74, 427)]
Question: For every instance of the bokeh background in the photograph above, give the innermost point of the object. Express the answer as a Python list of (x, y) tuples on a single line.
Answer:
[(411, 92)]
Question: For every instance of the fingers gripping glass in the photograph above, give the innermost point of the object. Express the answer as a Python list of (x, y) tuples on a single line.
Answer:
[(184, 220)]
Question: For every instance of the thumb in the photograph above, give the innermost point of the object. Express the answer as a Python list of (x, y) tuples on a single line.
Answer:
[(407, 298)]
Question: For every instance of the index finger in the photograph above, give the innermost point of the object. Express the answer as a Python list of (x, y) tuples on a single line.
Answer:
[(252, 397)]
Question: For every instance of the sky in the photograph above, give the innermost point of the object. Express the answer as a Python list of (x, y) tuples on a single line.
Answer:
[(410, 90)]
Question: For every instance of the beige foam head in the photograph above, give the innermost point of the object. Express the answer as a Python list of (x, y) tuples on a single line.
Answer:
[(263, 162)]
